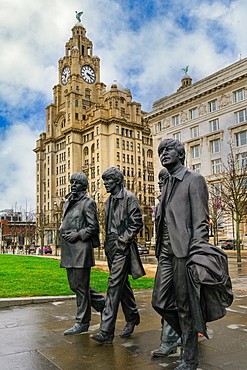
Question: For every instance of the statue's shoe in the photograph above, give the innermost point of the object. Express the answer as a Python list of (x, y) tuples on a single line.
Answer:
[(165, 349), (129, 328), (77, 329), (103, 338)]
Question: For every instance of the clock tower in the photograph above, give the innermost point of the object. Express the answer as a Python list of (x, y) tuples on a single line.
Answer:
[(79, 70), (90, 127)]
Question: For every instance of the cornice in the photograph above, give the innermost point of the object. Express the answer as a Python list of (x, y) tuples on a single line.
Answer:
[(195, 96)]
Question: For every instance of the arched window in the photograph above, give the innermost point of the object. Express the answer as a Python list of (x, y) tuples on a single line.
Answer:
[(86, 151)]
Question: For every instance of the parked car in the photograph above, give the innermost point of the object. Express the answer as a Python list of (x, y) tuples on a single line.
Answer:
[(227, 244), (47, 249), (142, 249), (31, 250)]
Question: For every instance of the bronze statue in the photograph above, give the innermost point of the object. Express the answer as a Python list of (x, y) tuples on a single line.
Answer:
[(78, 16), (79, 235), (185, 69), (123, 222), (188, 291), (169, 337)]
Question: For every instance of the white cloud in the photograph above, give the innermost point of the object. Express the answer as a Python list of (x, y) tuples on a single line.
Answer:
[(17, 166), (144, 51)]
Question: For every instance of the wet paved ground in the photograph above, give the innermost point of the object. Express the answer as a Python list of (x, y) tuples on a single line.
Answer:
[(31, 337)]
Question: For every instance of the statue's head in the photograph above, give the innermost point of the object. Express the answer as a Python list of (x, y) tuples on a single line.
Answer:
[(79, 182), (162, 176), (113, 179), (171, 144)]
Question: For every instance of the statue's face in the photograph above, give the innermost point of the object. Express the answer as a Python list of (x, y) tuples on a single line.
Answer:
[(111, 185), (161, 181), (76, 186), (169, 156)]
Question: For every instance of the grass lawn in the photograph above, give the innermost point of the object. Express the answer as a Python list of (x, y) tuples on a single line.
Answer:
[(30, 276)]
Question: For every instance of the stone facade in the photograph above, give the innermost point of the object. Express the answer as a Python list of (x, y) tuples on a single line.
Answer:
[(204, 116), (90, 127)]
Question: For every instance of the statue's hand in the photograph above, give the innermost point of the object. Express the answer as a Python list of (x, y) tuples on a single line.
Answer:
[(122, 245), (71, 236)]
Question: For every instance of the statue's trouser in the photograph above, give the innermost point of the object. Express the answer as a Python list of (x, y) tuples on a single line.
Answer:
[(168, 334), (86, 296), (170, 299), (119, 289)]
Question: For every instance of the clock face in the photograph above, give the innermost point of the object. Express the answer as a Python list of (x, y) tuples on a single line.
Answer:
[(88, 74), (65, 75)]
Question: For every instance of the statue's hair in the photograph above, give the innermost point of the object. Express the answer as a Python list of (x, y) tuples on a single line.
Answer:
[(81, 178), (163, 173), (176, 144), (115, 174)]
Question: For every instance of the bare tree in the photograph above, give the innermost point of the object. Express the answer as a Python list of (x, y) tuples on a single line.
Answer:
[(216, 209), (233, 196)]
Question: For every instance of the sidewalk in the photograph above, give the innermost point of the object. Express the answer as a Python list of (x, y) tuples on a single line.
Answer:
[(31, 338), (31, 335)]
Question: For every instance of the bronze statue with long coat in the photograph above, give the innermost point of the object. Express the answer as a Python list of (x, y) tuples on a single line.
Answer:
[(79, 235), (122, 223), (181, 221)]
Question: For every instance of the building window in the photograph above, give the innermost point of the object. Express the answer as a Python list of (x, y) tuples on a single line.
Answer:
[(139, 160), (117, 143), (195, 151), (214, 125), (68, 116), (139, 147), (123, 157), (123, 144), (159, 126), (97, 130), (215, 146), (175, 120), (150, 153), (242, 160), (122, 110), (177, 136), (76, 103), (87, 94), (68, 104), (193, 113), (118, 156), (131, 146), (240, 116), (239, 96), (117, 129), (138, 135), (216, 166), (241, 138), (194, 132), (76, 116), (197, 168), (213, 106), (97, 155)]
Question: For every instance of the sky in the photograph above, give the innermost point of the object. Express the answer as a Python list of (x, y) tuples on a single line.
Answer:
[(142, 44)]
